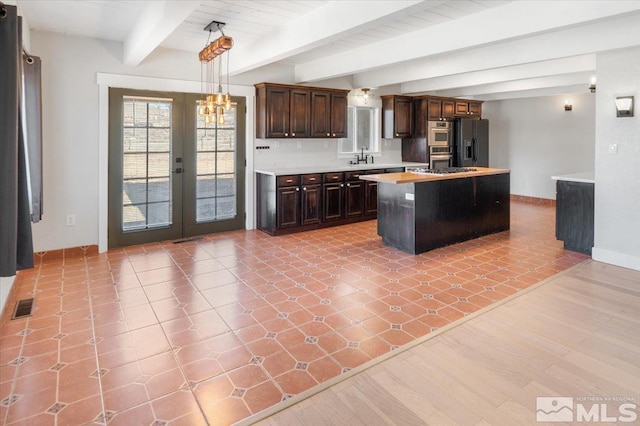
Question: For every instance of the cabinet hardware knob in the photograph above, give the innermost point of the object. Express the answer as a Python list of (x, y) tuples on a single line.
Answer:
[(349, 185), (293, 134), (328, 134), (286, 134), (289, 180), (312, 178), (342, 185), (304, 188), (334, 135), (297, 189)]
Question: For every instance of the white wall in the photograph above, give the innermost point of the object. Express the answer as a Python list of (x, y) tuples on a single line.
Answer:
[(617, 190), (284, 153), (536, 138), (71, 132), (5, 289)]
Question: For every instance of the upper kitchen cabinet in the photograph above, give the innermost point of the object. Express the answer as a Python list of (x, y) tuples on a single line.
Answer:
[(397, 116), (338, 114), (440, 109), (328, 114), (283, 112), (286, 111), (468, 108)]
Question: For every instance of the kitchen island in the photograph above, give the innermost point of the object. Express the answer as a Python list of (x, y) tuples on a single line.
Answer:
[(420, 212), (574, 210)]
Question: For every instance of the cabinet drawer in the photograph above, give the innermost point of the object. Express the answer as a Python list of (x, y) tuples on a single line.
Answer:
[(290, 180), (396, 170), (311, 179), (333, 177), (375, 172), (354, 175)]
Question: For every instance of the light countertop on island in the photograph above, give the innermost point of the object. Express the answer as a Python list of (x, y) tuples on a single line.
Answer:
[(584, 177), (409, 177), (280, 171)]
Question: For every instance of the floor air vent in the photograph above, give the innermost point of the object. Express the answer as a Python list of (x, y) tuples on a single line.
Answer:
[(187, 240), (24, 308)]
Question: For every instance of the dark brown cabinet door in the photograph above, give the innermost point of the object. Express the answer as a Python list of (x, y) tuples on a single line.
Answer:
[(338, 115), (320, 114), (403, 121), (462, 108), (299, 114), (278, 102), (354, 193), (371, 198), (435, 110), (397, 116), (311, 195), (448, 109), (420, 117), (288, 202), (333, 201), (475, 108)]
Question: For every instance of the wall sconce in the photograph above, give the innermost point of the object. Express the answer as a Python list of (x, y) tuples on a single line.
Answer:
[(624, 106), (592, 84), (567, 106)]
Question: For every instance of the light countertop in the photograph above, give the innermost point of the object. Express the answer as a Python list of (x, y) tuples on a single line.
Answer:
[(408, 177), (280, 171), (584, 177)]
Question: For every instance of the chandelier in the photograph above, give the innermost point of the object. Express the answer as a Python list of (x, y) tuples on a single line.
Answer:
[(214, 103)]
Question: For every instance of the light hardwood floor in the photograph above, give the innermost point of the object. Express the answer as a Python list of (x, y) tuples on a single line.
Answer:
[(574, 335)]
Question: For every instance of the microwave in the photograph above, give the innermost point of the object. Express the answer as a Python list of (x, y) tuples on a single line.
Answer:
[(439, 133)]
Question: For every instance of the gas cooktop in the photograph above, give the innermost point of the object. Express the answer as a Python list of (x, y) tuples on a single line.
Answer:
[(444, 171)]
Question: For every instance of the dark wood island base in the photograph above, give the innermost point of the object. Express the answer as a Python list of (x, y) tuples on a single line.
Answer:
[(418, 213)]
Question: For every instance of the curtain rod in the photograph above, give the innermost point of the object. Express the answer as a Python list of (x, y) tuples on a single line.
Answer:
[(3, 13)]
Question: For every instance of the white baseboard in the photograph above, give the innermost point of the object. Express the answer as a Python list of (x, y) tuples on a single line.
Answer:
[(615, 258)]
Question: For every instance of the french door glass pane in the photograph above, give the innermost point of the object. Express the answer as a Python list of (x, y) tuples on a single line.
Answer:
[(146, 174), (216, 189)]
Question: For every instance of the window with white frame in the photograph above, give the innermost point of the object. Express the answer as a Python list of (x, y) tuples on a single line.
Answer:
[(363, 124)]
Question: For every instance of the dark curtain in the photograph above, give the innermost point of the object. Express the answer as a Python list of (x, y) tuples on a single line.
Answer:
[(32, 108), (16, 244)]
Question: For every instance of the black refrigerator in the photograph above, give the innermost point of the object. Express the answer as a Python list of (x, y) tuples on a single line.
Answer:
[(471, 143)]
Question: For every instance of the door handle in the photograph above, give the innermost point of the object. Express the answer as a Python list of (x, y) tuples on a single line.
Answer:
[(178, 170)]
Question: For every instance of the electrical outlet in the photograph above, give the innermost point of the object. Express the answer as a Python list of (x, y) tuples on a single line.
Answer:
[(71, 220)]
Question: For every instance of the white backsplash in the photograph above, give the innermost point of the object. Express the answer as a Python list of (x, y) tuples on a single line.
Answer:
[(315, 152)]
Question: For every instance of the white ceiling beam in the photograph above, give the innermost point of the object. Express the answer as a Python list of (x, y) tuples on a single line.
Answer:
[(477, 92), (510, 21), (583, 63), (534, 93), (322, 25), (157, 22), (595, 37)]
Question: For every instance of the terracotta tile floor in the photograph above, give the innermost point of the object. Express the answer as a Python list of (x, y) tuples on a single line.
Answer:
[(213, 331)]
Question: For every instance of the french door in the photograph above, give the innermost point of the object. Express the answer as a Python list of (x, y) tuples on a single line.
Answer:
[(170, 176)]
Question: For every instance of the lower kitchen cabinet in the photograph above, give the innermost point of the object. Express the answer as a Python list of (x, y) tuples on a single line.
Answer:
[(311, 196), (333, 201), (295, 203), (288, 202), (354, 194), (371, 198)]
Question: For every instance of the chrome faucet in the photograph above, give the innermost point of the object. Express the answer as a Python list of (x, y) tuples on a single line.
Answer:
[(362, 158)]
